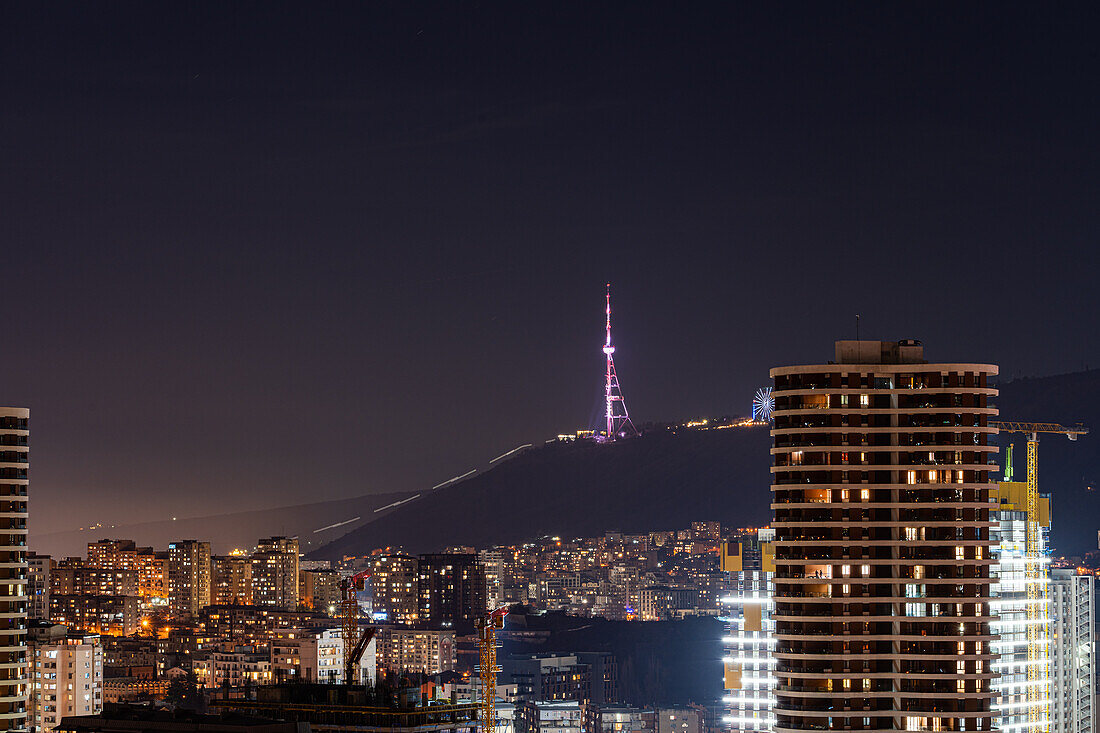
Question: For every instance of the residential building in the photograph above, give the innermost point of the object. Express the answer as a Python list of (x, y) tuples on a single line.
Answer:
[(133, 689), (319, 590), (492, 566), (147, 565), (710, 531), (246, 624), (39, 568), (619, 719), (660, 602), (14, 433), (548, 677), (393, 584), (452, 591), (317, 656), (188, 577), (66, 676), (881, 483), (408, 649), (549, 717), (216, 669), (114, 615), (231, 580), (126, 656), (1073, 607), (84, 580), (275, 573), (680, 720)]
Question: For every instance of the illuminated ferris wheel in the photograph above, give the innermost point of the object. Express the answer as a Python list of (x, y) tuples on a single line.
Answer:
[(762, 404)]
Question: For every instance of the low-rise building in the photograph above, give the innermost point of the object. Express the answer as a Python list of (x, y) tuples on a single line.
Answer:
[(132, 689), (618, 719), (408, 649), (680, 720), (311, 656), (549, 717), (215, 669)]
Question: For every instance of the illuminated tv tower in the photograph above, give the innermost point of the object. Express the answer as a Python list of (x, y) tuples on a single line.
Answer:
[(613, 394)]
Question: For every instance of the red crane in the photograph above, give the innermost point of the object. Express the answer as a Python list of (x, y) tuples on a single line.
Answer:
[(355, 643)]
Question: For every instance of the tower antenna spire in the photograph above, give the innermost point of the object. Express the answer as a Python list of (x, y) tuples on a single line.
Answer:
[(618, 419)]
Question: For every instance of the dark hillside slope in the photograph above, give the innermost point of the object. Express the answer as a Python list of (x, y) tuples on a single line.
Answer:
[(665, 481), (1066, 469), (657, 481), (239, 529)]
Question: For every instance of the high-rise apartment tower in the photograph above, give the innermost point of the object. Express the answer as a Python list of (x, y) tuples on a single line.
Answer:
[(275, 573), (1073, 603), (14, 432), (881, 484), (188, 577)]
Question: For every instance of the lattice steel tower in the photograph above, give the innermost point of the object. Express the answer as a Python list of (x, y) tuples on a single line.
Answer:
[(618, 420)]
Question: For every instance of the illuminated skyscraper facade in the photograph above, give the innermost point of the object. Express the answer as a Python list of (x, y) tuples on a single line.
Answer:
[(750, 635), (1009, 609), (881, 483)]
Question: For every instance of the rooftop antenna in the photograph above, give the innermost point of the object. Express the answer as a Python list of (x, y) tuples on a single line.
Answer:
[(857, 327), (617, 419)]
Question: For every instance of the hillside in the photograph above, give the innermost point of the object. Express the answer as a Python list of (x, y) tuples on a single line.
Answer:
[(241, 529), (657, 481), (664, 481)]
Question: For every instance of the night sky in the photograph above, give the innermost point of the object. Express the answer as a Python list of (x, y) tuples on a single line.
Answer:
[(256, 256)]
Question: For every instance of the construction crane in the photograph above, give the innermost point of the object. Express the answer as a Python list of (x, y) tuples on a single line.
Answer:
[(487, 627), (1037, 697), (355, 643)]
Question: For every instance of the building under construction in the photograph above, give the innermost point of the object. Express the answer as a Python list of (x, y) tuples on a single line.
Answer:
[(351, 708)]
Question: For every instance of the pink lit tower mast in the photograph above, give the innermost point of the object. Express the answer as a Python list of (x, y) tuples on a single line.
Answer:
[(618, 420)]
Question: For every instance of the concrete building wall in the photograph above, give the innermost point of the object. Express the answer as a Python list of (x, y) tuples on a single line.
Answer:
[(1074, 652)]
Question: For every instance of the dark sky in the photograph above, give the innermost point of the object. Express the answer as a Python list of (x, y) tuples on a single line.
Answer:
[(255, 256)]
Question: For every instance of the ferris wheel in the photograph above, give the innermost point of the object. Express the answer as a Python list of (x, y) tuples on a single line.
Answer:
[(762, 404)]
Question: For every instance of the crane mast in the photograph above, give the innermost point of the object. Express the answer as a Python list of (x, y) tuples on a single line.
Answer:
[(354, 642), (1038, 664), (487, 645)]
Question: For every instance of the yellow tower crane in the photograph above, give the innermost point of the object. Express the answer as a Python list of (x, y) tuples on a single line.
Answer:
[(1038, 698), (487, 627)]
